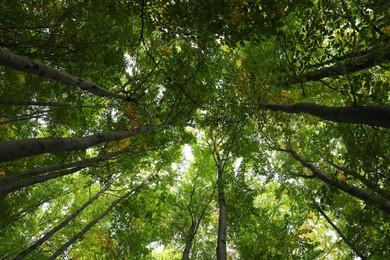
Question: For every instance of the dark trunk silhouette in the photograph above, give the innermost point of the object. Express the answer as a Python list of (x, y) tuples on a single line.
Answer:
[(360, 62), (341, 234), (377, 201), (365, 181), (369, 115), (221, 244)]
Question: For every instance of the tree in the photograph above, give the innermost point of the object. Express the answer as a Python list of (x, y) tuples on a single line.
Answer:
[(271, 106), (373, 116)]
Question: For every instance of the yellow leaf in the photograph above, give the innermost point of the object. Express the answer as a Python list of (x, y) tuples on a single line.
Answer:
[(238, 63), (226, 48), (341, 176), (2, 172), (4, 127)]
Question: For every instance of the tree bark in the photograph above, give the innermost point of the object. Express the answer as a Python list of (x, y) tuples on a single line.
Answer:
[(341, 234), (221, 244), (364, 180), (16, 62), (364, 195), (35, 172), (59, 226), (362, 62), (368, 115), (12, 150)]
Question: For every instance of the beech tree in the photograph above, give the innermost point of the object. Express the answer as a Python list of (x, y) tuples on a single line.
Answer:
[(194, 129)]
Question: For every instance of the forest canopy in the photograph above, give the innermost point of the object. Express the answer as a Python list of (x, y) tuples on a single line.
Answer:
[(207, 129)]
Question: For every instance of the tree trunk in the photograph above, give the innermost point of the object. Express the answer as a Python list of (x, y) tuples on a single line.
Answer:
[(364, 195), (12, 150), (221, 244), (364, 180), (37, 103), (93, 222), (190, 237), (35, 172), (16, 62), (369, 115), (15, 217), (341, 234), (59, 226), (31, 181), (362, 62)]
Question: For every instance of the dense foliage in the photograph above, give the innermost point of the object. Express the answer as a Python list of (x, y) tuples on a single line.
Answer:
[(169, 129)]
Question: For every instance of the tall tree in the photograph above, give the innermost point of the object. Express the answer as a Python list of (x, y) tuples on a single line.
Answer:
[(11, 150)]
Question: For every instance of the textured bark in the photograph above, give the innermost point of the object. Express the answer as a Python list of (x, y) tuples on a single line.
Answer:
[(54, 230), (221, 244), (93, 222), (358, 63), (12, 150), (369, 115), (364, 195), (35, 172), (341, 234), (16, 62)]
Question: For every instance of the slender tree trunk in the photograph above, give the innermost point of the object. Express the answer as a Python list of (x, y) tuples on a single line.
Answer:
[(12, 150), (195, 222), (369, 115), (15, 217), (16, 62), (362, 62), (221, 244), (31, 181), (60, 226), (364, 195), (190, 237), (35, 172), (37, 103), (341, 234), (93, 222), (364, 180)]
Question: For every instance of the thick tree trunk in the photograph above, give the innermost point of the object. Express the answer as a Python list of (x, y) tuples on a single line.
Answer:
[(59, 226), (341, 234), (12, 150), (35, 172), (221, 244), (16, 62), (364, 195), (369, 115), (93, 222), (362, 62)]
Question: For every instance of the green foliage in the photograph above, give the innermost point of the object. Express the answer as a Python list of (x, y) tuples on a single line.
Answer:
[(205, 68)]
